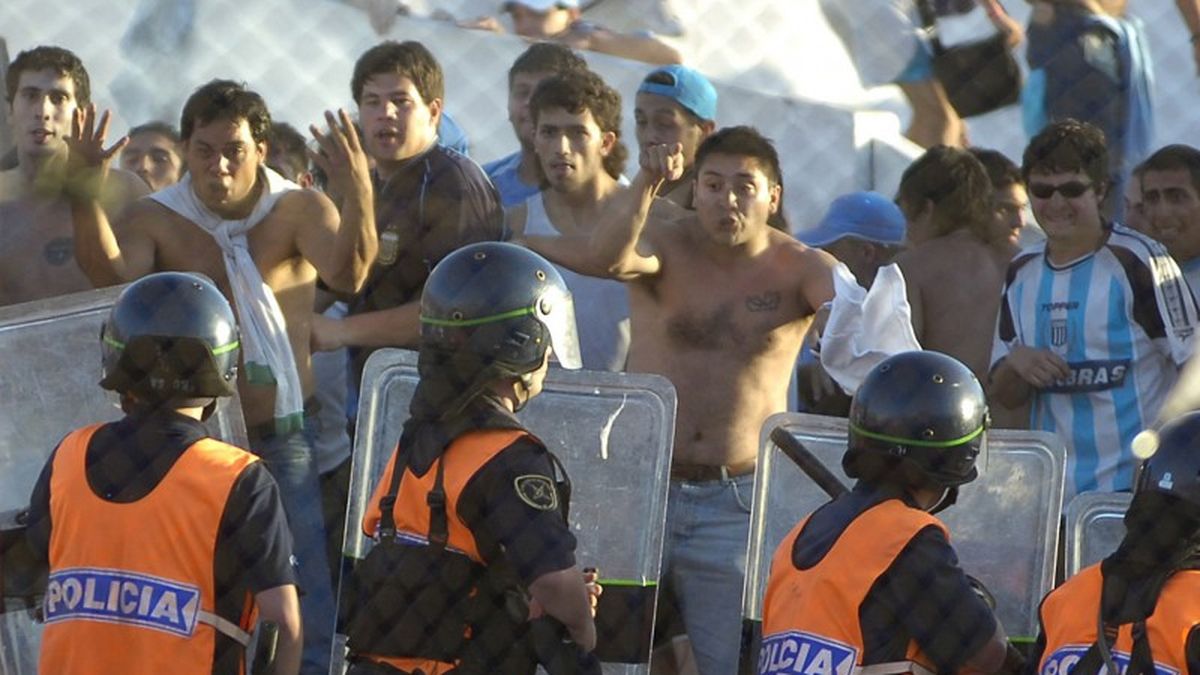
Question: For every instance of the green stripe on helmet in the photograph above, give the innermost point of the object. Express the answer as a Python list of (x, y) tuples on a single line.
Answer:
[(466, 323), (217, 351), (915, 442), (224, 349)]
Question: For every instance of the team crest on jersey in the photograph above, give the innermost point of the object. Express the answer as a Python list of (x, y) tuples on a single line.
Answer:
[(795, 652), (1058, 332), (118, 596), (537, 491), (1064, 660)]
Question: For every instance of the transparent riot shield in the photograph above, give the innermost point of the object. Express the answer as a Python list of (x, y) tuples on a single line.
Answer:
[(1095, 527), (1004, 526), (613, 433), (48, 387)]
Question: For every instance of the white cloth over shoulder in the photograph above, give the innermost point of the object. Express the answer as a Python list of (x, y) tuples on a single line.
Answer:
[(865, 327), (265, 347)]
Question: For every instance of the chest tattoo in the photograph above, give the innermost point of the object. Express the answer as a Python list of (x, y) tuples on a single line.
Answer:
[(767, 301)]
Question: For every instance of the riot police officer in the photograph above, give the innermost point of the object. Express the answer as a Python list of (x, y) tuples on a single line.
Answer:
[(870, 579), (1146, 595), (470, 515), (163, 544)]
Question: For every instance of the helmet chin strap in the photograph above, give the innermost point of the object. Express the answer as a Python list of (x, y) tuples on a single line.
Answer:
[(521, 389), (948, 498)]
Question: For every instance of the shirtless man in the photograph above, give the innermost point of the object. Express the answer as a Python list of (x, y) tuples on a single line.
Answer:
[(577, 141), (45, 85), (720, 303), (224, 129), (954, 283)]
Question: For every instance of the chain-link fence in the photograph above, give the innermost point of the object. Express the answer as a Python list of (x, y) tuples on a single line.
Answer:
[(794, 70)]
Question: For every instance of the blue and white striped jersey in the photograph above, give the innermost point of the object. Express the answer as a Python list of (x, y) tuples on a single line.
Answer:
[(1124, 319)]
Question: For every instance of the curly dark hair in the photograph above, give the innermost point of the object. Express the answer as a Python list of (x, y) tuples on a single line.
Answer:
[(583, 90)]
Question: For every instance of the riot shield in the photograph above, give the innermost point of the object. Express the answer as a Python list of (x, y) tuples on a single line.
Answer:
[(613, 433), (1095, 527), (48, 387), (1004, 526)]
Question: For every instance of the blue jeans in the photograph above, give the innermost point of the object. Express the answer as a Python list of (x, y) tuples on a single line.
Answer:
[(708, 526), (289, 458)]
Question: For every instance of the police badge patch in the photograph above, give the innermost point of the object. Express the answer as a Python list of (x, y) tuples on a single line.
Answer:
[(537, 491)]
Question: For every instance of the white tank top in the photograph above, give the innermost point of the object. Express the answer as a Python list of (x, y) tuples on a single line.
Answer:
[(601, 305)]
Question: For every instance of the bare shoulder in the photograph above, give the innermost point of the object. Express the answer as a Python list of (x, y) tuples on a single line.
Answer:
[(934, 258), (148, 215), (298, 210), (668, 222), (804, 259), (121, 191)]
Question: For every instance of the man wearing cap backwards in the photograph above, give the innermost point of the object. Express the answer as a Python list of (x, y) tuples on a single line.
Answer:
[(719, 303), (676, 104), (864, 231), (870, 580), (954, 284), (558, 20)]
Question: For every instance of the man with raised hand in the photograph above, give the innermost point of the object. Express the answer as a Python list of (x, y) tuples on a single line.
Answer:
[(719, 303), (45, 86), (265, 241)]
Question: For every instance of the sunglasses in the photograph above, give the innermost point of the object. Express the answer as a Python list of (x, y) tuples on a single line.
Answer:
[(1069, 190)]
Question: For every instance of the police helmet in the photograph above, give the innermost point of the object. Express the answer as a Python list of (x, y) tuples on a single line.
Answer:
[(501, 306), (920, 417), (1174, 468), (171, 336)]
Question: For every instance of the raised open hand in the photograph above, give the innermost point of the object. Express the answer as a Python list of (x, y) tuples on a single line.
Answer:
[(341, 156), (87, 159)]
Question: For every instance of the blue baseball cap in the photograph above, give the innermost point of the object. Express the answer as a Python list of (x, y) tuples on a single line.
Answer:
[(688, 88), (863, 215)]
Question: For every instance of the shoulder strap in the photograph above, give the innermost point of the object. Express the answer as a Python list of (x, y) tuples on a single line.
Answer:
[(439, 526), (387, 522), (1141, 661)]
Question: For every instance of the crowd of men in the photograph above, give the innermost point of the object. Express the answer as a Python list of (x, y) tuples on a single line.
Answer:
[(686, 269)]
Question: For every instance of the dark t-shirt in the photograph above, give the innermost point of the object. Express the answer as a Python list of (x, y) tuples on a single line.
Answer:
[(126, 460), (923, 596), (435, 203)]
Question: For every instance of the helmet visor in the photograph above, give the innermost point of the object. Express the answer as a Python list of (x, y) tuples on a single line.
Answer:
[(556, 310)]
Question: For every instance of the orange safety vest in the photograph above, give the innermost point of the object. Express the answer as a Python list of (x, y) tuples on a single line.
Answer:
[(465, 456), (1068, 617), (810, 617), (131, 586)]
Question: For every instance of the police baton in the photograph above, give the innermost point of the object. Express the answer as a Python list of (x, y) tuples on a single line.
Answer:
[(808, 463), (266, 641)]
